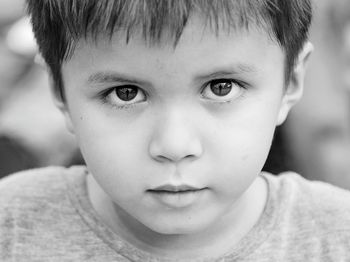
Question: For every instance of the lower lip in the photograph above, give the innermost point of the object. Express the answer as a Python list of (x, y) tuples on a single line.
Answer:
[(177, 199)]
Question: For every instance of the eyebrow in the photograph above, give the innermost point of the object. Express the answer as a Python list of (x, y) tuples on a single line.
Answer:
[(105, 77), (235, 69), (113, 77)]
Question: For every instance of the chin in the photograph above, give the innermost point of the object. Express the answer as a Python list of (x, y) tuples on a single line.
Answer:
[(178, 227)]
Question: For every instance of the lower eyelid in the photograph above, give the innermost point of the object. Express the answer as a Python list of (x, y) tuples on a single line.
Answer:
[(123, 107)]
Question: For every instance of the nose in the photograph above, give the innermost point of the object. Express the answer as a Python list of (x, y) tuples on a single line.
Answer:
[(175, 139)]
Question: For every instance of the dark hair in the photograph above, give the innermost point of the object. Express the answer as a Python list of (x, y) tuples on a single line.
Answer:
[(59, 24)]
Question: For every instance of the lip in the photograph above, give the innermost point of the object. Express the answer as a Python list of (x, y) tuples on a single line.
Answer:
[(169, 188), (177, 196)]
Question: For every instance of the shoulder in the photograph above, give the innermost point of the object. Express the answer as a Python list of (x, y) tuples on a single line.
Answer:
[(319, 203), (34, 204), (317, 191), (23, 181), (35, 184), (310, 220)]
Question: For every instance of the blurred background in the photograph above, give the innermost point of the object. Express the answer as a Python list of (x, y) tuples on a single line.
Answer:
[(315, 140)]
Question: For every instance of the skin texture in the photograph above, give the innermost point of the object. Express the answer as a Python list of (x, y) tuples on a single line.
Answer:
[(178, 132)]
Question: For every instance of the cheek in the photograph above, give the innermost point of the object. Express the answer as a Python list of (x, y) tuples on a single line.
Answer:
[(114, 153), (246, 134), (241, 146)]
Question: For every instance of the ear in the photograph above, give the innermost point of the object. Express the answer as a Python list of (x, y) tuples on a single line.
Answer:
[(295, 88), (60, 104)]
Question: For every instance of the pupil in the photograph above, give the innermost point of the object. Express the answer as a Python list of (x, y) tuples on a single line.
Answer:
[(127, 93), (221, 89)]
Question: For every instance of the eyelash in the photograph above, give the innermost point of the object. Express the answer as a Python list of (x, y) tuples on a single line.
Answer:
[(104, 95)]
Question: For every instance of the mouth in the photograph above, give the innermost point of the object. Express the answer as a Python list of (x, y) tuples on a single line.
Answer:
[(175, 189), (177, 196)]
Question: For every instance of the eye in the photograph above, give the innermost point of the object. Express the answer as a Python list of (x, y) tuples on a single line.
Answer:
[(125, 95), (222, 90)]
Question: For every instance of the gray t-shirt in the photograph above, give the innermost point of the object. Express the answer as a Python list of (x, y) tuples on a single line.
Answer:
[(46, 215)]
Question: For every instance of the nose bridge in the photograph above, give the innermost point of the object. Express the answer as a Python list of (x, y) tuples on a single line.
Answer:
[(175, 136)]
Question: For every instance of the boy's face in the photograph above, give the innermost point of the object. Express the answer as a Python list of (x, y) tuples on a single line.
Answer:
[(198, 118)]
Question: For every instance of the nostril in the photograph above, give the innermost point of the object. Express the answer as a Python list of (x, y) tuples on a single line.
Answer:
[(161, 158), (190, 156), (173, 158)]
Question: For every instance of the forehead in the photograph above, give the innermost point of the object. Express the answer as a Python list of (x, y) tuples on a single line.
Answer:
[(198, 49), (197, 33), (198, 25)]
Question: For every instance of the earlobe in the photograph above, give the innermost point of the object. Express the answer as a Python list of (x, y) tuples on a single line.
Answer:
[(295, 88), (68, 120), (39, 60), (61, 105)]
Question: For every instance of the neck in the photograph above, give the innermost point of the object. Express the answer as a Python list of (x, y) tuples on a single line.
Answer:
[(213, 242)]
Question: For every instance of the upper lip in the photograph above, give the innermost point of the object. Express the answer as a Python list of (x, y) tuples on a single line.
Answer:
[(175, 188)]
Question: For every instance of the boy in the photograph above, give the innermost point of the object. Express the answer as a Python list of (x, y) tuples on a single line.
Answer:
[(174, 105)]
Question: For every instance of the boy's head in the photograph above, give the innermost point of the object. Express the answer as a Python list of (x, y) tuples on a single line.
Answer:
[(174, 103)]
